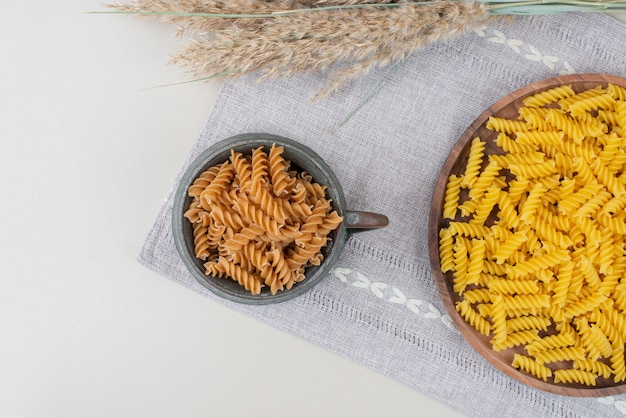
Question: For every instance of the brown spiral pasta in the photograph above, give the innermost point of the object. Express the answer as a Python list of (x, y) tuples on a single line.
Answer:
[(256, 215), (258, 221), (281, 181), (217, 185), (244, 277), (203, 181), (268, 204), (242, 168)]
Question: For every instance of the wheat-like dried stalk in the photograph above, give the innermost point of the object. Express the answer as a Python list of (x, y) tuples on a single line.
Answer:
[(303, 42), (231, 38)]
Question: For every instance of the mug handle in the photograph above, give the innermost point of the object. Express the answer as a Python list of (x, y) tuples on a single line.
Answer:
[(357, 221)]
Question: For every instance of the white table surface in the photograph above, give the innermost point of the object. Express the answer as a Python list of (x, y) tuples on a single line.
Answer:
[(88, 154)]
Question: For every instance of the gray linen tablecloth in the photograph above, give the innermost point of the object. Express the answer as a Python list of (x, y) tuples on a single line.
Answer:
[(379, 306)]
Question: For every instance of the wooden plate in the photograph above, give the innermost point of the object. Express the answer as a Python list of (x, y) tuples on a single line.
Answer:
[(455, 164)]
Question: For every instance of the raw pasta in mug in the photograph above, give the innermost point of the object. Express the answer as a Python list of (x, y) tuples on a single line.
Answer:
[(258, 221)]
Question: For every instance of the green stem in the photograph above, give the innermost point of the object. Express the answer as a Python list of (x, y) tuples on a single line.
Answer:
[(533, 7), (195, 80), (554, 6), (371, 93), (268, 15)]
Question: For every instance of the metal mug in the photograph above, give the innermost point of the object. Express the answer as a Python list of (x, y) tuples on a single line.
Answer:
[(301, 158)]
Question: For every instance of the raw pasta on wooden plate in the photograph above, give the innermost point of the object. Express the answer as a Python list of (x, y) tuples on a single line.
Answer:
[(528, 235)]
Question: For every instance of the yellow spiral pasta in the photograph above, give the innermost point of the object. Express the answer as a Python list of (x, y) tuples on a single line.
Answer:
[(575, 376), (469, 230), (520, 287), (511, 146), (574, 201), (511, 245), (486, 205), (553, 355), (605, 177), (460, 261), (608, 327), (473, 318), (548, 96), (617, 361), (592, 207), (478, 295), (565, 103), (560, 121), (560, 340), (536, 263), (446, 246), (531, 366), (596, 367), (616, 92), (518, 338), (530, 322), (620, 110), (539, 137), (485, 180), (498, 316), (475, 262), (600, 341), (505, 125), (258, 223), (451, 200), (551, 248), (618, 320), (601, 101), (474, 162), (538, 121), (608, 117), (587, 304), (522, 158), (533, 171), (548, 233)]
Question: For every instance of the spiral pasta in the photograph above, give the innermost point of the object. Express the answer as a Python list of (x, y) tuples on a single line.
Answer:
[(576, 376), (258, 223), (505, 125), (282, 182), (544, 222), (531, 366), (217, 186), (452, 196), (474, 162), (548, 96)]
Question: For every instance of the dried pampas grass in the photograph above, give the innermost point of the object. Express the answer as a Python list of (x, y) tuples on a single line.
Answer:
[(230, 38), (351, 40)]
